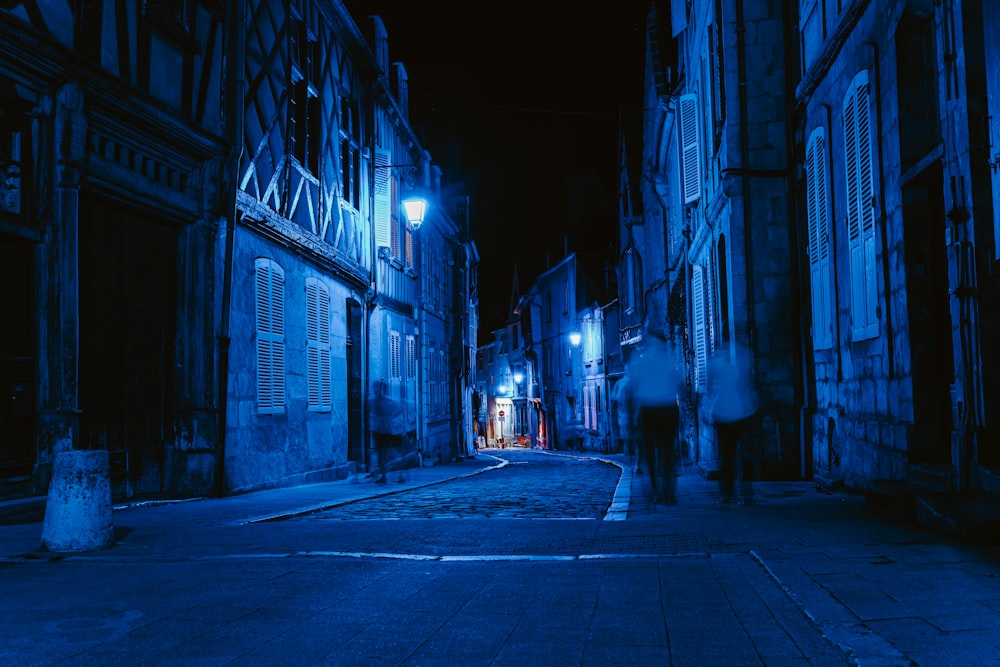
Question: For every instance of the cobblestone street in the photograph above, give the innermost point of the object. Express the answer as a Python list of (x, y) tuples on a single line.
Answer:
[(514, 558)]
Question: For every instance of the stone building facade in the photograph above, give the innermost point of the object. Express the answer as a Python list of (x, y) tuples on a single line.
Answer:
[(715, 238), (897, 217), (826, 173)]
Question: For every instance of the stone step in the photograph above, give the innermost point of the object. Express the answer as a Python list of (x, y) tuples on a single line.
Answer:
[(968, 517), (895, 496), (939, 477), (22, 510)]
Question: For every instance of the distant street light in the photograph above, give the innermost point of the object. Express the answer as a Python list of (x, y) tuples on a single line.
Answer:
[(518, 377), (574, 338)]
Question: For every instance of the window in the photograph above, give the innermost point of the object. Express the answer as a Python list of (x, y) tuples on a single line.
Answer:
[(689, 155), (15, 148), (819, 239), (860, 208), (717, 55), (631, 295), (304, 109), (350, 152), (318, 346), (270, 312), (395, 371), (401, 237), (411, 357)]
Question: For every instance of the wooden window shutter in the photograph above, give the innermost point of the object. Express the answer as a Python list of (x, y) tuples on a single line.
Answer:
[(383, 198), (411, 357), (689, 155), (819, 239), (269, 293), (394, 369), (866, 203), (700, 339), (860, 208), (318, 354)]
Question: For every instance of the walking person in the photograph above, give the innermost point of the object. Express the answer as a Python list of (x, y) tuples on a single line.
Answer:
[(626, 415), (657, 387), (732, 400), (387, 427)]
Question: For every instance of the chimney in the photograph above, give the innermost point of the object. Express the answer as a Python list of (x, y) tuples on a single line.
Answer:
[(378, 40), (400, 87)]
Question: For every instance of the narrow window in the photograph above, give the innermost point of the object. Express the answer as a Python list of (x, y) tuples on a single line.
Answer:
[(270, 314), (303, 100), (411, 357), (396, 239), (395, 372), (350, 152)]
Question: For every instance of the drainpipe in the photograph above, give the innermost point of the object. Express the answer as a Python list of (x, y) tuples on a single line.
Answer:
[(234, 93)]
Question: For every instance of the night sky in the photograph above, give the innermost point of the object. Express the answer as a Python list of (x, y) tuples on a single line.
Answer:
[(523, 102)]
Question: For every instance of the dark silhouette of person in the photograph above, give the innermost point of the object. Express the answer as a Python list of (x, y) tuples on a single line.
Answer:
[(732, 400), (657, 385), (386, 425)]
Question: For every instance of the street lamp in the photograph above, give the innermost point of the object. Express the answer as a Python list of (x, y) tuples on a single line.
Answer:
[(574, 338), (415, 208)]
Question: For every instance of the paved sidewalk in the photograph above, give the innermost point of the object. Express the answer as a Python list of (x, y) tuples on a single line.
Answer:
[(256, 506), (879, 589)]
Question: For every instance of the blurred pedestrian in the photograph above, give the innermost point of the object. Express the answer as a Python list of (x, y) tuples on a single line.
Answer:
[(657, 387), (387, 427), (732, 400), (626, 415)]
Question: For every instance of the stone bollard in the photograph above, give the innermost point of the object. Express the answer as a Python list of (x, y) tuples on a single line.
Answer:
[(78, 508)]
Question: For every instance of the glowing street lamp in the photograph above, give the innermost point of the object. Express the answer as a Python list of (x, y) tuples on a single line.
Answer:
[(415, 209), (574, 338)]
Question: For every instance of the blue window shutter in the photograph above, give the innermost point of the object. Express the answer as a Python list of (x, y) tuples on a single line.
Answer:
[(690, 153), (383, 198)]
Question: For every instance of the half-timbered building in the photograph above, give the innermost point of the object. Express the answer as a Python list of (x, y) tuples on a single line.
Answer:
[(111, 147), (206, 263)]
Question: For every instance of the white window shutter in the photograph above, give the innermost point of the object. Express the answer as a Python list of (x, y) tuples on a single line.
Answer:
[(383, 198), (818, 223), (394, 370), (853, 217), (264, 391), (269, 298), (700, 340), (858, 162), (866, 203), (411, 357), (318, 356), (690, 154), (325, 353)]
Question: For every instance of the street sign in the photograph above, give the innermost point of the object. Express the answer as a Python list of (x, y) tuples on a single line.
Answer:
[(501, 413)]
